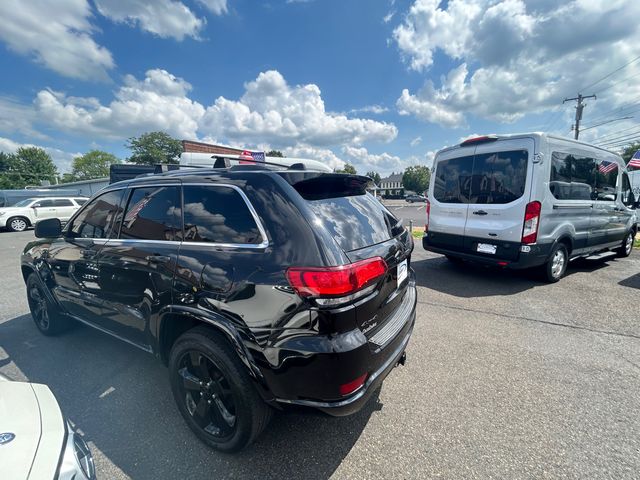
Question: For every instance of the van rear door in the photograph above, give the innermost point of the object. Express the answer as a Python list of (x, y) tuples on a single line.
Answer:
[(449, 197), (499, 191)]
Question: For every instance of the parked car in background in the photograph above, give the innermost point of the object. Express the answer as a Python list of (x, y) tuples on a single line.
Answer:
[(415, 198), (8, 198), (27, 212), (531, 200), (259, 286), (36, 442)]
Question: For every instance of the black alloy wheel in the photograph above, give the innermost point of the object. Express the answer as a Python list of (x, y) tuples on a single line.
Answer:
[(207, 395), (214, 391), (48, 321)]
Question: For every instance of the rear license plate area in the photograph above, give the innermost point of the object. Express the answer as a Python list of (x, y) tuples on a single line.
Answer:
[(486, 248)]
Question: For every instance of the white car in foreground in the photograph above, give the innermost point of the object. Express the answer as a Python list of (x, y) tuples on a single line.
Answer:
[(36, 442), (26, 213)]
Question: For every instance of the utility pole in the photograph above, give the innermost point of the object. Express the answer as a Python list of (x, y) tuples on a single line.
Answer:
[(579, 107)]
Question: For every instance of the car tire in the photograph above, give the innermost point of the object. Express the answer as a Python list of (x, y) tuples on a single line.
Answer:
[(44, 314), (204, 366), (556, 266), (17, 224), (627, 246)]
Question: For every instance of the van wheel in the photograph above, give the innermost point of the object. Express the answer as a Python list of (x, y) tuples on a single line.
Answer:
[(626, 247), (214, 392), (556, 266), (48, 321), (17, 224)]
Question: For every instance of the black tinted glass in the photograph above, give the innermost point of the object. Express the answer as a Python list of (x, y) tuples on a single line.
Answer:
[(498, 177), (95, 219), (81, 201), (572, 177), (218, 215), (153, 213), (628, 197), (45, 203), (356, 221), (453, 180), (61, 202), (607, 180)]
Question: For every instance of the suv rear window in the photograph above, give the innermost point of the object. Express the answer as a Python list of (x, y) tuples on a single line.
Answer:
[(356, 221), (487, 178)]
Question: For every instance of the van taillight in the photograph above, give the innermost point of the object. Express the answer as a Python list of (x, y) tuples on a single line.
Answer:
[(342, 281), (428, 208), (531, 222)]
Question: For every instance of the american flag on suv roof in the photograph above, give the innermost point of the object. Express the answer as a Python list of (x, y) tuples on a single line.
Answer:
[(606, 167), (635, 160)]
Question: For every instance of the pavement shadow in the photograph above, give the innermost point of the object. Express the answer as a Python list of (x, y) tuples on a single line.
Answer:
[(120, 399), (633, 281), (469, 280)]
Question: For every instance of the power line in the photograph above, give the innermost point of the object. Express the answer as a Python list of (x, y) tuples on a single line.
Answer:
[(615, 134), (606, 122), (623, 139), (618, 82), (611, 73)]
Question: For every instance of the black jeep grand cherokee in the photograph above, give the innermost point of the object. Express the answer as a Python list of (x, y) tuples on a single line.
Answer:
[(258, 286)]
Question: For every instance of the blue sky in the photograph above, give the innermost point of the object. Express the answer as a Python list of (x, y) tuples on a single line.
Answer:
[(381, 84)]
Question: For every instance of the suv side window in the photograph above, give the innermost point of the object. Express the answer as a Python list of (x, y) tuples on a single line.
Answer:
[(62, 202), (153, 213), (80, 201), (96, 218), (628, 198), (607, 180), (44, 203), (218, 214)]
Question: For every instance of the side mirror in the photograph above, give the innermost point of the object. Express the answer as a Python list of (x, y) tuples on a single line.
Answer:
[(48, 228), (36, 205)]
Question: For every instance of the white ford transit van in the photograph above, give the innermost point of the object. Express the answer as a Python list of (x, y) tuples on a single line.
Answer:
[(529, 200)]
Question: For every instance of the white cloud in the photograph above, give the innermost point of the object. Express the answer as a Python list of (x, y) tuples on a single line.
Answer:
[(515, 58), (63, 160), (376, 109), (57, 35), (159, 102), (389, 16), (416, 141), (165, 18), (365, 161), (272, 111), (217, 7), (324, 155)]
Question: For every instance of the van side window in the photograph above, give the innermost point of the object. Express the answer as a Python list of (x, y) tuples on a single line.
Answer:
[(217, 214), (628, 198), (572, 177), (153, 213), (607, 180)]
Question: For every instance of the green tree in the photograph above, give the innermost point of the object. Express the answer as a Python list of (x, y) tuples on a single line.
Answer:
[(93, 164), (416, 178), (274, 153), (28, 166), (375, 176), (348, 168), (629, 151), (153, 148)]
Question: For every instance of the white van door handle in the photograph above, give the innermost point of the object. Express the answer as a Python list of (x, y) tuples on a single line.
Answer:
[(480, 212)]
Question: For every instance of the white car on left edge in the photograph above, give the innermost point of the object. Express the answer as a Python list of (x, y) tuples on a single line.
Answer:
[(26, 213), (36, 442)]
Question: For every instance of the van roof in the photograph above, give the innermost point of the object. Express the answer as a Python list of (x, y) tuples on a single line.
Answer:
[(539, 135)]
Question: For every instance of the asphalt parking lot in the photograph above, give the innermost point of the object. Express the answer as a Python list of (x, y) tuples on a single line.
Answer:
[(506, 377)]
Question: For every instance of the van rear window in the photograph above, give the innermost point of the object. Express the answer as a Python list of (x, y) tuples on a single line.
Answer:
[(487, 178), (356, 221)]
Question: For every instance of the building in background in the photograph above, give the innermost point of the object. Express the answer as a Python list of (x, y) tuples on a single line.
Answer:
[(391, 186)]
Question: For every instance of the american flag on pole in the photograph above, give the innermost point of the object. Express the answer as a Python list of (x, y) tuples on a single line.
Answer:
[(606, 167), (635, 160)]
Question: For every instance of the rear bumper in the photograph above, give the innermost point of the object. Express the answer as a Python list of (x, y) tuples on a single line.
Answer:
[(537, 255), (313, 379)]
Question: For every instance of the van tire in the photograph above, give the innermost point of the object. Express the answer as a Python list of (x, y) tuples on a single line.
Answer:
[(556, 266), (627, 245), (251, 414)]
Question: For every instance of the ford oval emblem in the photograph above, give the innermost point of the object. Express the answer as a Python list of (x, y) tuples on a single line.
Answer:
[(6, 437)]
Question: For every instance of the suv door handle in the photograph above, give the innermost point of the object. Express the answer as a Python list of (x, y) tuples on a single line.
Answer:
[(158, 258), (480, 212)]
